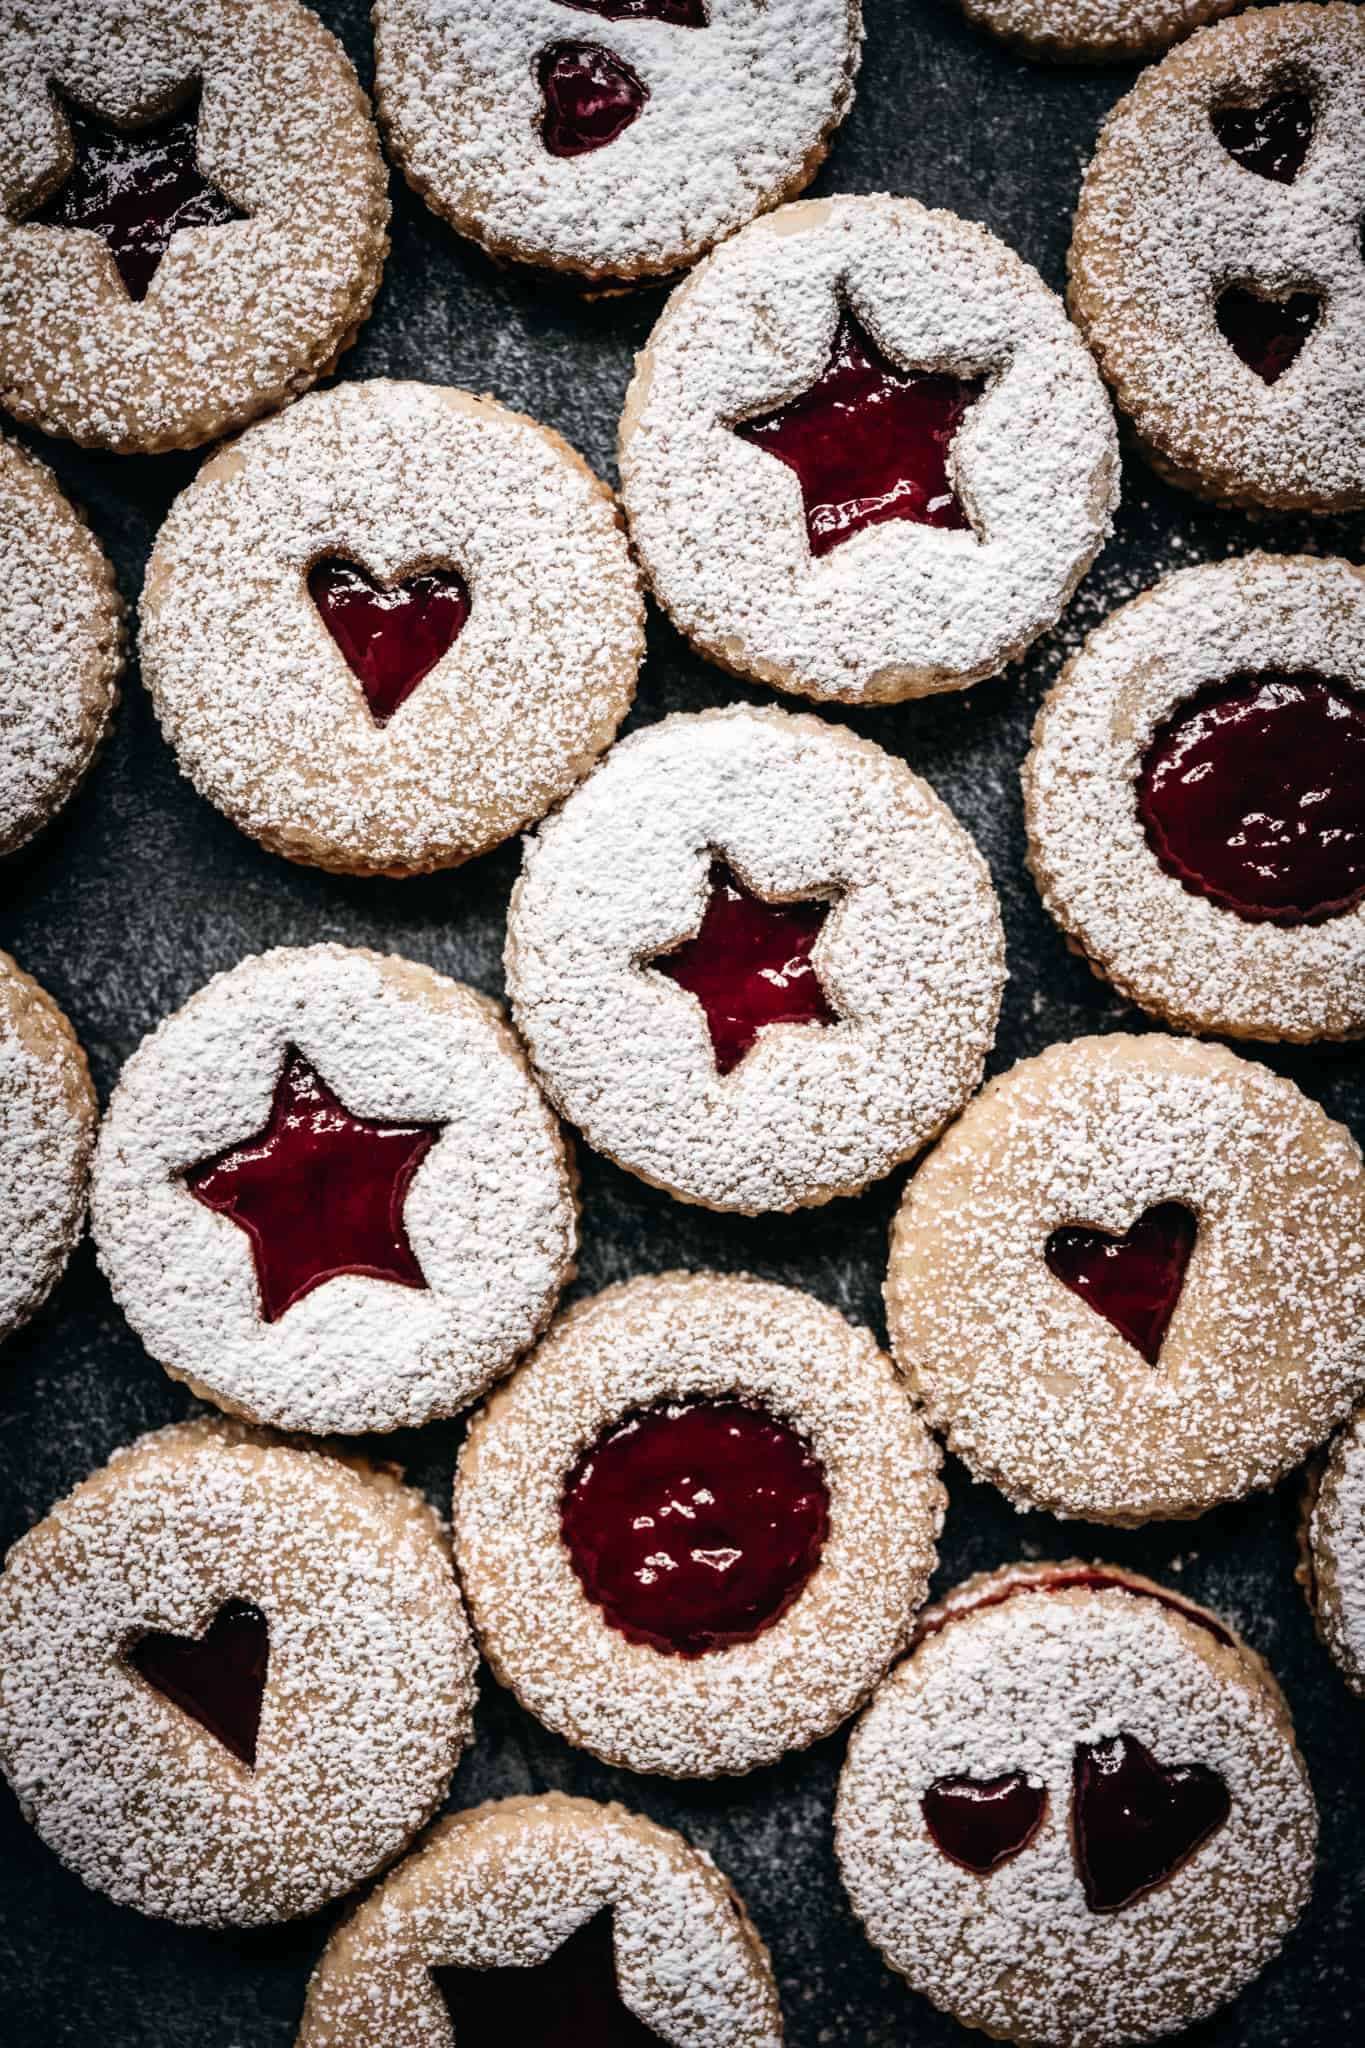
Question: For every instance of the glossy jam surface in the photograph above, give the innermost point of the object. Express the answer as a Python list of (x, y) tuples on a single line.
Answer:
[(1267, 333), (392, 634), (1253, 795), (590, 97), (750, 965), (137, 188), (1133, 1281), (696, 1523), (1136, 1821), (571, 2000), (217, 1678), (676, 13), (982, 1822), (1271, 137), (319, 1192), (868, 441)]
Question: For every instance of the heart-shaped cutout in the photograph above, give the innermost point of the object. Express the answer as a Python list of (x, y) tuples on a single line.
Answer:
[(590, 97), (1137, 1821), (571, 2000), (217, 1678), (1272, 137), (982, 1822), (1133, 1281), (1266, 332), (392, 634)]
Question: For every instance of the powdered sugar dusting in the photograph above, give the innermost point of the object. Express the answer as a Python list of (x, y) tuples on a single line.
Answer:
[(1336, 1532), (1094, 29), (47, 1131)]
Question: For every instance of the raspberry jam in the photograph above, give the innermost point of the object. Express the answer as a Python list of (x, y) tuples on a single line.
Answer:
[(1136, 1821), (1091, 1576), (319, 1192), (1270, 138), (1133, 1281), (750, 965), (571, 2000), (696, 1523), (869, 441), (590, 97), (217, 1678), (677, 13), (982, 1822), (137, 188), (1268, 333), (1253, 795), (392, 634)]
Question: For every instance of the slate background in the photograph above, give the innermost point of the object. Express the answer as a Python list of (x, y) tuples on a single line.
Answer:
[(140, 891)]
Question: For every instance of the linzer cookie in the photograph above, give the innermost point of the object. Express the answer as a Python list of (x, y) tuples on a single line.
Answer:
[(694, 1526), (1333, 1566), (865, 455), (193, 215), (612, 139), (755, 959), (329, 1194), (1100, 1781), (521, 1913), (1094, 31), (1195, 799), (388, 629), (1216, 264), (235, 1675)]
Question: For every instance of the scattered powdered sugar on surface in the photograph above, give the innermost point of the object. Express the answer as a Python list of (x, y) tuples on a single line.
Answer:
[(899, 609), (490, 1213), (239, 317), (732, 1709), (1337, 1538), (506, 1884), (369, 1690), (47, 1131), (1179, 954), (911, 957), (1036, 1390), (1017, 1687), (1168, 218), (256, 697), (738, 117), (1094, 28)]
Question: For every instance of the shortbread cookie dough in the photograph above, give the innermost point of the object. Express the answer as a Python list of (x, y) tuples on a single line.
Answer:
[(755, 959), (1195, 799), (1094, 31), (612, 139), (694, 1527), (329, 1195), (388, 629), (193, 215), (524, 1908), (235, 1675), (1098, 1782), (865, 455), (1130, 1281), (1334, 1550), (1216, 267), (48, 1114)]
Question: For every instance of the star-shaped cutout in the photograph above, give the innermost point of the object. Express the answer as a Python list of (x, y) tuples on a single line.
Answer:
[(571, 2000), (750, 965), (137, 187), (869, 441), (319, 1192)]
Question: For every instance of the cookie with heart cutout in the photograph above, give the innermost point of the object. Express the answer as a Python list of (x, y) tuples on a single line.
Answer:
[(235, 1675), (329, 1195), (515, 1913), (1093, 31), (694, 1526), (193, 215), (1332, 1549), (1215, 266), (1097, 1778), (1130, 1281), (390, 628)]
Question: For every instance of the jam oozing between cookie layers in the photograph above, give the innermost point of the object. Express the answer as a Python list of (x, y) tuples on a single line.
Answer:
[(982, 1822), (1090, 1578), (696, 1523), (319, 1192), (1133, 1281), (869, 441), (1253, 795), (217, 1678), (571, 2000), (1270, 137), (676, 13), (590, 97), (392, 634), (1268, 333), (1136, 1821), (137, 188)]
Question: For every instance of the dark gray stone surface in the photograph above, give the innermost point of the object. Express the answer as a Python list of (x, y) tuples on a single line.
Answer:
[(140, 891)]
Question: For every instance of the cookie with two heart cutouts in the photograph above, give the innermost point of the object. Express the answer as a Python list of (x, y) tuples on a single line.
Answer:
[(1097, 1778)]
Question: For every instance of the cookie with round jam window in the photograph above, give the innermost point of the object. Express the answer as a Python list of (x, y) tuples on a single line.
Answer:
[(1093, 31)]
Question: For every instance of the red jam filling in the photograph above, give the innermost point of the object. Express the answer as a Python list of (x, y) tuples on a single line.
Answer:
[(1253, 795), (571, 2000), (1136, 1822), (590, 97), (1270, 138), (217, 1678), (1268, 333), (982, 1822), (869, 441), (137, 188), (695, 1524), (1095, 1579), (319, 1192), (1133, 1281), (392, 634), (677, 13), (749, 965)]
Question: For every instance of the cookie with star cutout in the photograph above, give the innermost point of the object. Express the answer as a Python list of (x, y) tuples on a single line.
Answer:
[(193, 215), (329, 1195), (1093, 31)]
